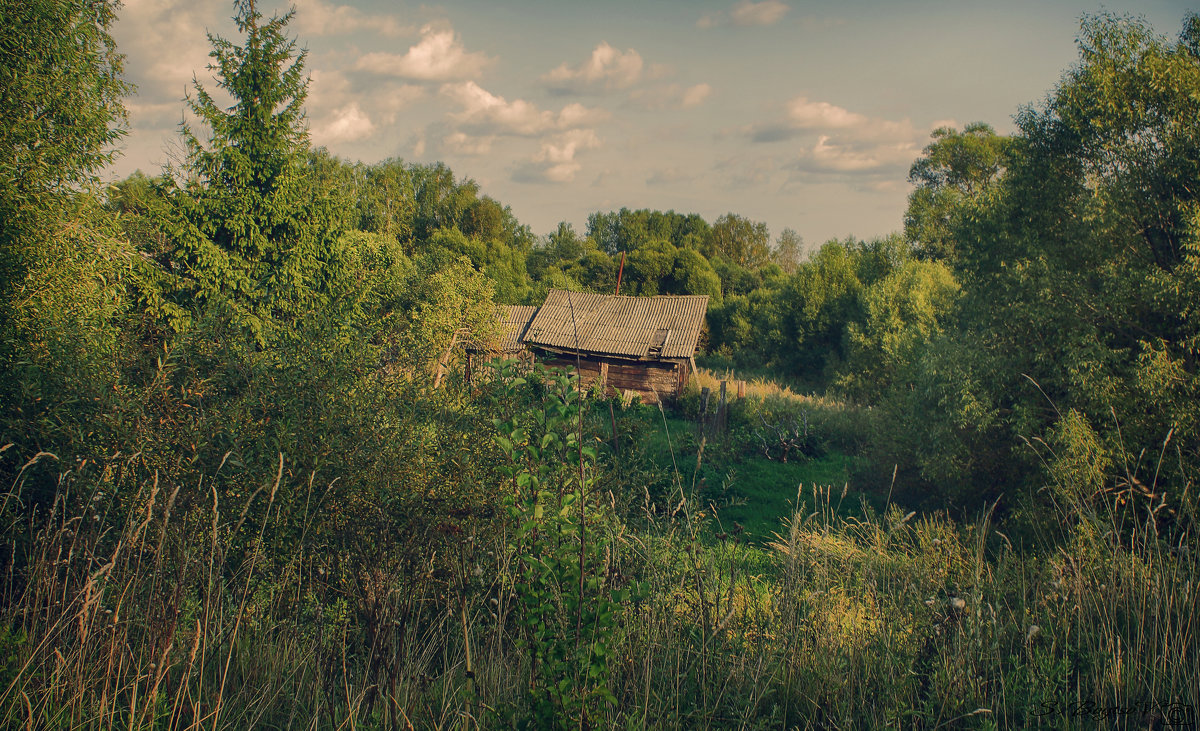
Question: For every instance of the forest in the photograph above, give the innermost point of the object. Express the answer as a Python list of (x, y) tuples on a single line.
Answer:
[(959, 492)]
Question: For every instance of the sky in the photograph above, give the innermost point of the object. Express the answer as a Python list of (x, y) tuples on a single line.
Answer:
[(803, 115)]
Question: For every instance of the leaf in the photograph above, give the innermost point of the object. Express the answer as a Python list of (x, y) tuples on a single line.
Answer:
[(505, 444)]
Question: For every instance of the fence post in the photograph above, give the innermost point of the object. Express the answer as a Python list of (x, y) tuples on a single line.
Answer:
[(700, 423), (721, 422)]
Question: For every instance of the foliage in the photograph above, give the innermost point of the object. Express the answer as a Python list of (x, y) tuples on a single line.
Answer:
[(60, 97), (569, 607), (253, 240), (740, 240), (903, 311), (63, 271), (954, 171), (1076, 268)]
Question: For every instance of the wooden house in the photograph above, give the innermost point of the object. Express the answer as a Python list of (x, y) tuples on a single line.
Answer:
[(638, 345), (514, 321)]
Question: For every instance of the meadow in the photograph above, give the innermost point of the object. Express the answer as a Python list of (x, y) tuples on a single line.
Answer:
[(244, 482)]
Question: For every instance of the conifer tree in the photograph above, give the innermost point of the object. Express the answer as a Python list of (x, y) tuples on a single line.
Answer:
[(253, 242)]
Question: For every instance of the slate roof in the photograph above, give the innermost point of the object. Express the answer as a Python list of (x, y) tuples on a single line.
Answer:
[(641, 328)]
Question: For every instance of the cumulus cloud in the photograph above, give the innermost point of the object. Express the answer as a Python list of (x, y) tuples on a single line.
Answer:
[(746, 13), (555, 159), (321, 18), (838, 140), (607, 68), (164, 45), (346, 124), (438, 56), (462, 143), (695, 95), (341, 113), (486, 113), (671, 96)]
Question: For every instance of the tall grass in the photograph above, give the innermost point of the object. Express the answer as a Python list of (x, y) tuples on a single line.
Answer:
[(171, 616)]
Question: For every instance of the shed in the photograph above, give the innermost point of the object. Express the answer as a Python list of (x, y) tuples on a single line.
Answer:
[(642, 345)]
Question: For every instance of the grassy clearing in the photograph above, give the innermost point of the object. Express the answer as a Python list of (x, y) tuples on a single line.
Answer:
[(141, 611), (885, 621)]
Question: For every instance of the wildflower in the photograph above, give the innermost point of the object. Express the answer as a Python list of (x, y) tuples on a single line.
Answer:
[(957, 604)]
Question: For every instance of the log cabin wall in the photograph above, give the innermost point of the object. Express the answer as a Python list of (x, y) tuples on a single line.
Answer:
[(651, 381)]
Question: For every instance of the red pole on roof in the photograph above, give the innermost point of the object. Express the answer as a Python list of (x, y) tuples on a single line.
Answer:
[(620, 272)]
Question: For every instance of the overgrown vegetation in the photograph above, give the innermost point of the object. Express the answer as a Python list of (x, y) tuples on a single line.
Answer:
[(244, 486)]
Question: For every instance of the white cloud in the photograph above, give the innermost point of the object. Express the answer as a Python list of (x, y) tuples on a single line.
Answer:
[(841, 141), (763, 13), (321, 18), (746, 13), (165, 44), (805, 114), (464, 144), (695, 95), (607, 67), (486, 113), (438, 56), (391, 100), (555, 160), (670, 96), (346, 124), (341, 113)]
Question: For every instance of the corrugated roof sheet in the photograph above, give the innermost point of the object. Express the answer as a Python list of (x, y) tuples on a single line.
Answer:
[(514, 321), (619, 325)]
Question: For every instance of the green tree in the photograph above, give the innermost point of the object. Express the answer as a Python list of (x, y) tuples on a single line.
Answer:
[(386, 203), (902, 311), (744, 242), (253, 241), (61, 262), (954, 170), (649, 268), (1080, 273), (694, 275), (788, 251)]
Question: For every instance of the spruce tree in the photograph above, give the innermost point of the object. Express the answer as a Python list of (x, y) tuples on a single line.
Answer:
[(254, 244)]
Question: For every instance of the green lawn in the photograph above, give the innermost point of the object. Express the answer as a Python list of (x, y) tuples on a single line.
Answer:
[(757, 493), (744, 489)]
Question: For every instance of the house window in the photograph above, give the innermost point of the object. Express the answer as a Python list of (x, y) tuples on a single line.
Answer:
[(659, 341)]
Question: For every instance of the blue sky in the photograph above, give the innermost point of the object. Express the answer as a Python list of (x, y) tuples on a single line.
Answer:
[(805, 115)]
